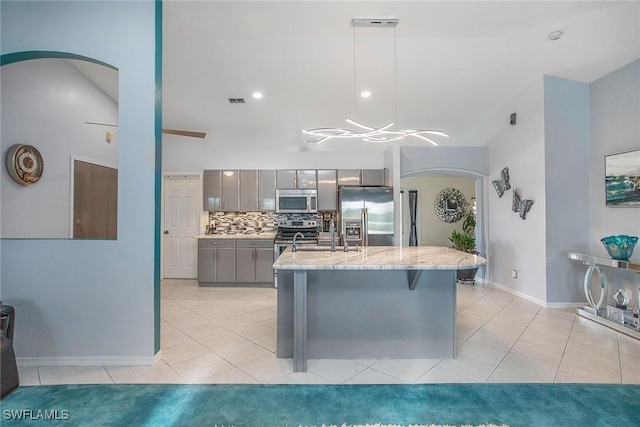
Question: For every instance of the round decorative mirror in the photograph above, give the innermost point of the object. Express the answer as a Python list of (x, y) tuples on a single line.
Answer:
[(450, 205)]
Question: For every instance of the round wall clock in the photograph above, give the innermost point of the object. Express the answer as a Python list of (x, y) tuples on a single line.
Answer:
[(24, 164)]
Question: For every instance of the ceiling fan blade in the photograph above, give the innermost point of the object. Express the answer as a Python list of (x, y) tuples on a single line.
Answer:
[(189, 133)]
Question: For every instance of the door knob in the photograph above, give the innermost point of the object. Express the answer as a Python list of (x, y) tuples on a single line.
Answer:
[(166, 231)]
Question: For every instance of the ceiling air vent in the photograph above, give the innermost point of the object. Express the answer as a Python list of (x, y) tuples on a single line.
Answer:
[(374, 22), (236, 100)]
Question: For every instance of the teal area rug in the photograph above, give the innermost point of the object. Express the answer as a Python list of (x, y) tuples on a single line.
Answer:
[(314, 405)]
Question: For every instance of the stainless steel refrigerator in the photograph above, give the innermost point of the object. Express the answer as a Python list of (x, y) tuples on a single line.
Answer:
[(372, 207)]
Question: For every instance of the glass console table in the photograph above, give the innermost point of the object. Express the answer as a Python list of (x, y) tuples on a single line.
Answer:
[(595, 311)]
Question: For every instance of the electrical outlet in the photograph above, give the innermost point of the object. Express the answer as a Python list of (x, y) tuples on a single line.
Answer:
[(514, 274)]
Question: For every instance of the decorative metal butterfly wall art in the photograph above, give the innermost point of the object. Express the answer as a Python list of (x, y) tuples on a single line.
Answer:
[(521, 206), (502, 184)]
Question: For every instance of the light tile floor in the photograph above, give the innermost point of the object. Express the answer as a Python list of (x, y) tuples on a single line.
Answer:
[(228, 335)]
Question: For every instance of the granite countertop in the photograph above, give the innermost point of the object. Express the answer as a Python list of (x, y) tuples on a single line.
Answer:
[(379, 258), (267, 235)]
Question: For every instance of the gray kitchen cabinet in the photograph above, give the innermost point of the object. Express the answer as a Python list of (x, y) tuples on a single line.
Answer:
[(216, 260), (212, 189), (349, 177), (374, 177), (230, 190), (267, 190), (286, 179), (254, 261), (249, 190), (327, 190), (306, 178), (221, 190), (264, 264)]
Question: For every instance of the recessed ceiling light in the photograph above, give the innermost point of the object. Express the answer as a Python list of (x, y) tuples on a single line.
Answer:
[(257, 95), (554, 35), (365, 94)]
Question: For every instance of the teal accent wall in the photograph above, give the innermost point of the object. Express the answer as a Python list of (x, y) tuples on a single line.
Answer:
[(158, 178), (10, 58)]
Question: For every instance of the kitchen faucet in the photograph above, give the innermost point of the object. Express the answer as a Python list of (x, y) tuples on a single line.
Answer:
[(294, 249), (332, 231)]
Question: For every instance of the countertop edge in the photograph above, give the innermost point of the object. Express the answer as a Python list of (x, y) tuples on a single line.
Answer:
[(270, 236), (381, 258)]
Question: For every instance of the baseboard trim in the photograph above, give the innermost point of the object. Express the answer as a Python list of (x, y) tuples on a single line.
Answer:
[(536, 300), (87, 361)]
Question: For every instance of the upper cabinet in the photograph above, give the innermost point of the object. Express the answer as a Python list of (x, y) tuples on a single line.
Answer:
[(221, 190), (287, 179), (306, 178), (374, 177), (248, 190), (267, 190), (362, 177), (327, 190), (349, 177), (255, 190), (230, 190), (212, 190), (243, 190)]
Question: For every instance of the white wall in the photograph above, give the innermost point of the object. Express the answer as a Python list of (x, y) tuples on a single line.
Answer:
[(615, 127), (92, 301), (433, 231), (189, 154), (516, 244), (469, 161), (45, 103)]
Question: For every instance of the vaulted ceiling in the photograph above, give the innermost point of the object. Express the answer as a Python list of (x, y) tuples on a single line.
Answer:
[(446, 65)]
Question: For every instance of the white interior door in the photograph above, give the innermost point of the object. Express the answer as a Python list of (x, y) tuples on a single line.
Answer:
[(182, 210)]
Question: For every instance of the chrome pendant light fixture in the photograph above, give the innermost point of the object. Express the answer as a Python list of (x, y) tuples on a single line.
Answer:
[(386, 133)]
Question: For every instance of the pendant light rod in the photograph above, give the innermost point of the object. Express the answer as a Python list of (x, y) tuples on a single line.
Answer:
[(370, 133)]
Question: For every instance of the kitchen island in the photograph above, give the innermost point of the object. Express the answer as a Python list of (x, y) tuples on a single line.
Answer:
[(380, 302)]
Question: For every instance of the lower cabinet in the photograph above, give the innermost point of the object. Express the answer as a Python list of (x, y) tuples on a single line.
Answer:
[(216, 260), (254, 261), (235, 260)]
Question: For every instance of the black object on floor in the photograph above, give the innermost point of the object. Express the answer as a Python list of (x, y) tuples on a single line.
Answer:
[(8, 369)]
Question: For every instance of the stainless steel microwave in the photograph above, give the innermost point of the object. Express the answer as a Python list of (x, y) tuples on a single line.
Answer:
[(296, 201)]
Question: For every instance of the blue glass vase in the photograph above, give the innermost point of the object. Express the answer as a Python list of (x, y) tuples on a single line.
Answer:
[(620, 247)]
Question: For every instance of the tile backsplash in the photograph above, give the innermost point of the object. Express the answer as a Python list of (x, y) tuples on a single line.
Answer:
[(241, 222), (251, 222)]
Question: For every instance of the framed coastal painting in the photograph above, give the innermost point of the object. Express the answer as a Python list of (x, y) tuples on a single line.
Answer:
[(622, 179)]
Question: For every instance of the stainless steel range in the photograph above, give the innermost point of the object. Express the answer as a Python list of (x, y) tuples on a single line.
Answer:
[(304, 231), (289, 228)]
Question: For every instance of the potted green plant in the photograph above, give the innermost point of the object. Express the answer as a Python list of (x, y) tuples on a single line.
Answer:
[(465, 241)]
